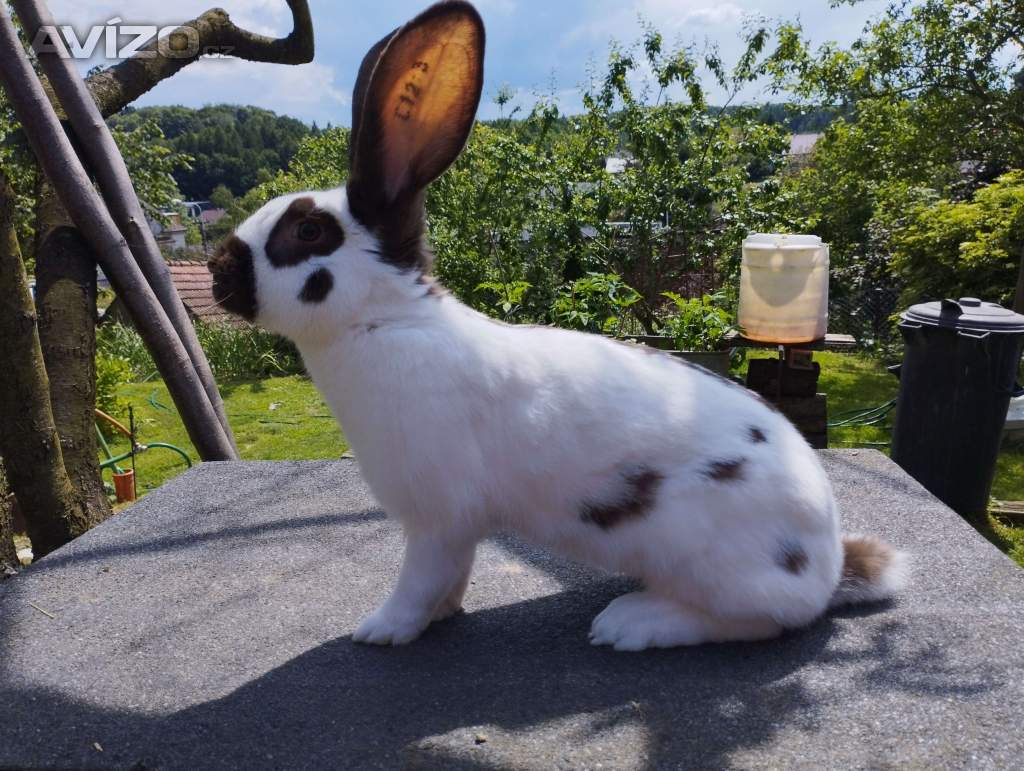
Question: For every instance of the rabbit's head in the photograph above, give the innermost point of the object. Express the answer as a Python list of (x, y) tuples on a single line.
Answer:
[(307, 262)]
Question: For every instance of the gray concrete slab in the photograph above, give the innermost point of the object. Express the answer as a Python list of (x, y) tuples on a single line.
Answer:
[(209, 627)]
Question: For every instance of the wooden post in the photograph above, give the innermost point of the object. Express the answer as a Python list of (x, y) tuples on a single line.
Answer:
[(57, 158), (108, 165)]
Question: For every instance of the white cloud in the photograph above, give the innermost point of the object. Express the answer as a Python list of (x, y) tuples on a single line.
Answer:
[(251, 14), (671, 17), (306, 91)]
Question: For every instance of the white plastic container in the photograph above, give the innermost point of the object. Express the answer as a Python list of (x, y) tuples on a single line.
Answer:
[(784, 288)]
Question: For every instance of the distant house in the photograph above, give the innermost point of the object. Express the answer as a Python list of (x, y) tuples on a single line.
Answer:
[(801, 147), (195, 288), (204, 212), (210, 216), (170, 234)]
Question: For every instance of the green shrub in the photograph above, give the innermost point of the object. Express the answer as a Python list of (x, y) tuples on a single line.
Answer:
[(699, 324), (122, 343), (233, 352), (241, 352), (596, 303), (111, 374), (943, 248)]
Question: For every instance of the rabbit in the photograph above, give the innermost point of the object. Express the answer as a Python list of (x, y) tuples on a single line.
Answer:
[(613, 455)]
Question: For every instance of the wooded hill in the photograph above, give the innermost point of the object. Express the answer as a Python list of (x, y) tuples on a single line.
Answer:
[(241, 147), (231, 145)]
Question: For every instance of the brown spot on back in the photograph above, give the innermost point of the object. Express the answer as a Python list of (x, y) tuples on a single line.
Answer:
[(792, 558), (635, 500), (757, 435), (725, 470), (284, 246)]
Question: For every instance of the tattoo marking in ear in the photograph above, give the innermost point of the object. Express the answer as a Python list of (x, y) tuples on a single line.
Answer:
[(406, 104)]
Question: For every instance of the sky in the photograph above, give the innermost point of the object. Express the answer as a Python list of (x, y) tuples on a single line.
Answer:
[(533, 46)]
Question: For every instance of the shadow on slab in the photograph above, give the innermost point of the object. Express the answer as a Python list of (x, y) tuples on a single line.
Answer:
[(524, 670)]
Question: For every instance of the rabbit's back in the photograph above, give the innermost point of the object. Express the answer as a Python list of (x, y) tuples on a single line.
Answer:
[(533, 427)]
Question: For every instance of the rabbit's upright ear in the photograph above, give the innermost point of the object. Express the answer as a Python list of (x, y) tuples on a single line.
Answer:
[(413, 107)]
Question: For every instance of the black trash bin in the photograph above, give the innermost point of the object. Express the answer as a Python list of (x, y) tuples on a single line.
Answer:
[(959, 371)]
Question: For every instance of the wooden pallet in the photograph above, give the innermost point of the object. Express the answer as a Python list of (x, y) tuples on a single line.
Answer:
[(1012, 511)]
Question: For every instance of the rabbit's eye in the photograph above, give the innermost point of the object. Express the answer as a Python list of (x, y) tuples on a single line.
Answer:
[(309, 231)]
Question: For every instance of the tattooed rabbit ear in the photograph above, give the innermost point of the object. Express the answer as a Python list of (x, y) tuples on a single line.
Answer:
[(414, 103)]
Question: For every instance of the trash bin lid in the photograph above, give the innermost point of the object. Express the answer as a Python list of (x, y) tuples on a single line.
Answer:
[(966, 313)]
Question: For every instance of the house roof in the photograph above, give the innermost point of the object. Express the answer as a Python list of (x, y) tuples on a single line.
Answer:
[(195, 287), (210, 216), (802, 144)]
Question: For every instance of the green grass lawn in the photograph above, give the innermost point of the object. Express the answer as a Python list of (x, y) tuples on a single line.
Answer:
[(284, 418), (278, 418)]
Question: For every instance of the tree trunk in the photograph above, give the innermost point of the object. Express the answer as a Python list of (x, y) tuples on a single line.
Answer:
[(28, 438), (8, 555), (1018, 300), (66, 304), (99, 151), (57, 158)]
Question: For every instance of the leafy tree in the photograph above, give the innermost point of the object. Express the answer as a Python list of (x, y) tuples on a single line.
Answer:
[(229, 145), (944, 248), (320, 162), (933, 98), (537, 203), (222, 197), (596, 303), (152, 166), (531, 206)]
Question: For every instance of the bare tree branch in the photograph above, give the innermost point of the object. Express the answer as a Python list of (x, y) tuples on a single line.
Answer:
[(103, 156), (55, 155), (211, 33)]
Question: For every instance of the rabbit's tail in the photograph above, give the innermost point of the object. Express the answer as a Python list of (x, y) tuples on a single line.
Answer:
[(872, 570)]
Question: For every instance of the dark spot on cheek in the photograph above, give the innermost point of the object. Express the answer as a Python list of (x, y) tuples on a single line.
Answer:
[(757, 435), (725, 470), (792, 558), (317, 286), (635, 499)]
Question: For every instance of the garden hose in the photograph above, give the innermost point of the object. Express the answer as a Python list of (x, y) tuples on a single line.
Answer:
[(863, 416), (156, 404)]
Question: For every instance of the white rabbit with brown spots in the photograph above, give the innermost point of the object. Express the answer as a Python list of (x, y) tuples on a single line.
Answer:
[(620, 458)]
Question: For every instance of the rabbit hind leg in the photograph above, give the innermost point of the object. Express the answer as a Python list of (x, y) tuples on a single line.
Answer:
[(641, 620)]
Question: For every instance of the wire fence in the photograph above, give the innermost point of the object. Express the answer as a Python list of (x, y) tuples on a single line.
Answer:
[(867, 315)]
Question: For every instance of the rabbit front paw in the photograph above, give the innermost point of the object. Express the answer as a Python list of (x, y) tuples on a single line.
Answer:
[(390, 626)]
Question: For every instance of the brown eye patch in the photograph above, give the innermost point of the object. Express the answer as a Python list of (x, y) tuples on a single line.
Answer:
[(303, 231)]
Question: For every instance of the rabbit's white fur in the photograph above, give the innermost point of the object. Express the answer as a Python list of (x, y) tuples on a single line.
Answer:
[(464, 426)]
